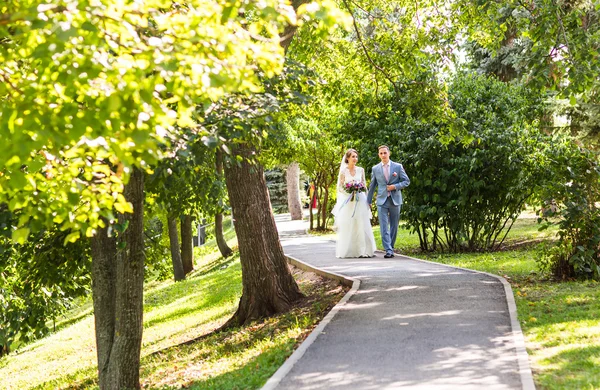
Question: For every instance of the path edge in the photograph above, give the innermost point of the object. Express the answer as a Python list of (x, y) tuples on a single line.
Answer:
[(289, 363), (527, 382)]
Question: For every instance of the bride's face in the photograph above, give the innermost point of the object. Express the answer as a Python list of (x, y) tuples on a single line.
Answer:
[(353, 159)]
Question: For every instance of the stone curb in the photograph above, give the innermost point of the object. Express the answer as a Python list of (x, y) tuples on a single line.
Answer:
[(274, 381), (517, 335)]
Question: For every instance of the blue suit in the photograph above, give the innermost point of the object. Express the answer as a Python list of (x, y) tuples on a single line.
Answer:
[(388, 206)]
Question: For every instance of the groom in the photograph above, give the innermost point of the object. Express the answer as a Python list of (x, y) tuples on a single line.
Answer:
[(389, 178)]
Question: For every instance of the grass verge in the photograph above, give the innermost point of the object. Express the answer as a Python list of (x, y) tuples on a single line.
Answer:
[(180, 347), (560, 320)]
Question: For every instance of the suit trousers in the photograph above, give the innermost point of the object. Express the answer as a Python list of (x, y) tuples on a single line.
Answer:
[(389, 218)]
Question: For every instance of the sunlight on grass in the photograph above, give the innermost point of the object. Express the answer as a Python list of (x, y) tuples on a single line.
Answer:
[(66, 352), (178, 347), (561, 322), (173, 313)]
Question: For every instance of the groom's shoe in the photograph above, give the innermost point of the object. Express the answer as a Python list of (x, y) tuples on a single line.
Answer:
[(388, 255)]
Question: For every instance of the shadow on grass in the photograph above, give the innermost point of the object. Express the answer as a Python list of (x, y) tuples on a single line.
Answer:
[(228, 347), (67, 322), (85, 378), (249, 376), (575, 368), (230, 339), (558, 302), (173, 292), (210, 292), (221, 262)]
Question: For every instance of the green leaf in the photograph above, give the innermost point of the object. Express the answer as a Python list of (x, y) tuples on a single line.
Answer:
[(20, 236), (18, 180), (114, 102), (72, 237)]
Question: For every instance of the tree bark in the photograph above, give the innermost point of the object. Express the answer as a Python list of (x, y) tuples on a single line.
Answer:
[(175, 253), (268, 286), (104, 288), (292, 177), (221, 243), (187, 252), (117, 291), (219, 237)]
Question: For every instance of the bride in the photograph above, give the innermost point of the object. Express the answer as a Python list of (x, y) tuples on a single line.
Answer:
[(352, 212)]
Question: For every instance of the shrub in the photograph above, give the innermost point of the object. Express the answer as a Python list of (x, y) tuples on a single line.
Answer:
[(465, 193), (570, 200)]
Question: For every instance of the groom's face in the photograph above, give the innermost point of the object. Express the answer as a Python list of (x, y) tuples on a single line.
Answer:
[(384, 155)]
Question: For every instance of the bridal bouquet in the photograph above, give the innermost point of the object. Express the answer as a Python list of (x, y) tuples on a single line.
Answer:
[(354, 187)]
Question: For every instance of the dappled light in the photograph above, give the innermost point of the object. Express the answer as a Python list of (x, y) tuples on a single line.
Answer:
[(188, 189)]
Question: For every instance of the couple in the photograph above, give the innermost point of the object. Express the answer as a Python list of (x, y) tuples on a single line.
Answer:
[(353, 208)]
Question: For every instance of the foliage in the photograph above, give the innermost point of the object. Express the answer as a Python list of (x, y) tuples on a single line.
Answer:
[(92, 88), (571, 197), (276, 184), (466, 193), (176, 313), (157, 250), (38, 281), (319, 154), (560, 37), (186, 181)]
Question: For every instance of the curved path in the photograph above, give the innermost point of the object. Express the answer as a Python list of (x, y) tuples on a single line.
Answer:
[(411, 324)]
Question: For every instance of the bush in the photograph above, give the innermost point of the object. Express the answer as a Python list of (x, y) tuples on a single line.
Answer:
[(38, 282), (465, 193), (571, 196)]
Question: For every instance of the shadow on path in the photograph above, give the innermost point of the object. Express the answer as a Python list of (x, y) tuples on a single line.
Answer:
[(411, 324)]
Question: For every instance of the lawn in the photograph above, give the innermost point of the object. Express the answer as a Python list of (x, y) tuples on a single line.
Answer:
[(180, 347)]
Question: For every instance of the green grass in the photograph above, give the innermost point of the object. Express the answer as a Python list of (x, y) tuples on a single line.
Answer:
[(179, 346), (560, 320)]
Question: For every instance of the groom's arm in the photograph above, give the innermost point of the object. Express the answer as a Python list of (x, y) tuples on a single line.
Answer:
[(372, 186), (404, 181)]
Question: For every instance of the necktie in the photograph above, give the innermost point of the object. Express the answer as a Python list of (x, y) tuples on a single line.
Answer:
[(386, 173)]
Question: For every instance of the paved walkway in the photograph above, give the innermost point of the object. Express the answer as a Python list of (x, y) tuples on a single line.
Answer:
[(410, 325)]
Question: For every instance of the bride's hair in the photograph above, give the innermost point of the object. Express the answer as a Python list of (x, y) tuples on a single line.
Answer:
[(348, 153)]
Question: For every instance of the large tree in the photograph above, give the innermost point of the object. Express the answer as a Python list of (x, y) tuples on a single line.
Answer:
[(89, 91), (268, 286)]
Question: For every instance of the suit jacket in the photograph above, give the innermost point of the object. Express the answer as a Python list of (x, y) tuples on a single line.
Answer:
[(398, 178)]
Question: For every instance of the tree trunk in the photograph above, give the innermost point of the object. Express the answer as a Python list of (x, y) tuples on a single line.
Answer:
[(187, 253), (311, 217), (324, 210), (221, 243), (219, 237), (175, 253), (268, 286), (292, 177), (4, 349), (117, 291)]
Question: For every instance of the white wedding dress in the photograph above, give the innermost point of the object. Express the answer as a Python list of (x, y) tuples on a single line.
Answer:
[(353, 218)]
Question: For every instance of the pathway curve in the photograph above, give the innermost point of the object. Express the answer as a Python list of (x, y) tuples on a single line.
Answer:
[(411, 324)]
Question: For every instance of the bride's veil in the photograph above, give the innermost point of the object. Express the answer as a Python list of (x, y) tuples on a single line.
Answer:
[(343, 166), (340, 199)]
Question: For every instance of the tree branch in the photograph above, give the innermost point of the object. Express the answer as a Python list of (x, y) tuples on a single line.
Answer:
[(385, 74)]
